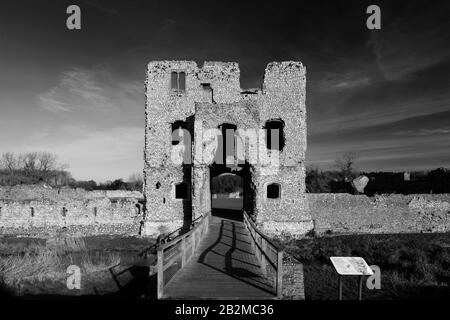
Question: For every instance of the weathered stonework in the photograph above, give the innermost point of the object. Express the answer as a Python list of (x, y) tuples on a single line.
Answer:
[(210, 98), (41, 212), (345, 213), (293, 278)]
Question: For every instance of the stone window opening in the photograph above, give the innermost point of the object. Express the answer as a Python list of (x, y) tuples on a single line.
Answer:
[(64, 211), (138, 209), (273, 191), (178, 81), (179, 135), (209, 92), (158, 185), (181, 190), (226, 152), (275, 134), (32, 212)]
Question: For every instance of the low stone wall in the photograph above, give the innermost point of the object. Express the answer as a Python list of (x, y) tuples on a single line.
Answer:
[(293, 278), (39, 212), (41, 192), (344, 213)]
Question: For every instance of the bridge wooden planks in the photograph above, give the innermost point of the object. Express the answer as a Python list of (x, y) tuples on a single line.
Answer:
[(224, 266)]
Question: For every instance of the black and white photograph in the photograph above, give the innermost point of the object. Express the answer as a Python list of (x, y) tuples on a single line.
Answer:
[(224, 158)]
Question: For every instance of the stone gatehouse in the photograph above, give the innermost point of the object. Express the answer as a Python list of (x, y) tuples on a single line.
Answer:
[(200, 123)]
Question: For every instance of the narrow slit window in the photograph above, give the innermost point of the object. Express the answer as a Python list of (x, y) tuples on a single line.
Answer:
[(181, 81), (181, 191), (174, 81), (273, 191)]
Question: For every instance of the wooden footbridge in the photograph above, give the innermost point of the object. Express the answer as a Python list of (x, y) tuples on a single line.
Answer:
[(220, 258)]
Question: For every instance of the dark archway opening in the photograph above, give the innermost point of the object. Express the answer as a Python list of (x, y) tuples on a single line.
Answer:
[(231, 180), (226, 195)]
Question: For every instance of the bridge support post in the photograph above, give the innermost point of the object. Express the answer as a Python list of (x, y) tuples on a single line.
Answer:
[(258, 246), (183, 252), (160, 276), (263, 256), (280, 275)]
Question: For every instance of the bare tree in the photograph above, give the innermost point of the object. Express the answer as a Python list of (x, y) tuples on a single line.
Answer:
[(29, 160), (9, 161), (136, 177), (33, 167), (46, 161), (345, 165), (61, 178), (136, 181)]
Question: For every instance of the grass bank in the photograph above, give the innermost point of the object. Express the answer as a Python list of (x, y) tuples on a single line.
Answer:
[(32, 267), (413, 266)]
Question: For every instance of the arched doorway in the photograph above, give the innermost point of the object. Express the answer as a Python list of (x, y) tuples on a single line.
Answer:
[(231, 187), (227, 196)]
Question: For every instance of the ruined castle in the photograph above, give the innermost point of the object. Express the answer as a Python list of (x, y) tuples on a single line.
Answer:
[(212, 110), (181, 97)]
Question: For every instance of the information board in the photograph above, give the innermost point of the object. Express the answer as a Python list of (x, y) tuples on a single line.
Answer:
[(351, 266)]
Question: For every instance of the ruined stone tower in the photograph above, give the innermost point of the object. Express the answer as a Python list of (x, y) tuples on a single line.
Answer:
[(268, 131)]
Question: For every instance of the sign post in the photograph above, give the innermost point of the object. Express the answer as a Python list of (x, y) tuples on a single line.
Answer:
[(351, 266)]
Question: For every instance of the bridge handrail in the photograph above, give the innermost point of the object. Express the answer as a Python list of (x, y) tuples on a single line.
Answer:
[(154, 247), (261, 244), (187, 242)]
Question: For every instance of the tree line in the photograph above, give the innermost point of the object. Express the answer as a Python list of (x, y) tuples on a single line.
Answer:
[(339, 180), (45, 168), (32, 168)]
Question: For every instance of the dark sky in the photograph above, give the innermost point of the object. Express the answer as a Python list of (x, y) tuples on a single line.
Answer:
[(383, 94)]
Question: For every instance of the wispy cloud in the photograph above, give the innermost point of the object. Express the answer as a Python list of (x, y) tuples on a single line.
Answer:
[(91, 90), (381, 115), (49, 102), (424, 132), (411, 41), (97, 123), (343, 81)]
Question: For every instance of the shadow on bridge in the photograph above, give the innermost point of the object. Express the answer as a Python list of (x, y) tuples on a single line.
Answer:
[(231, 255)]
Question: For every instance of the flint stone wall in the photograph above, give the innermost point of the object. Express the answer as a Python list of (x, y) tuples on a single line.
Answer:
[(213, 96), (37, 212), (293, 278), (40, 211), (344, 213), (39, 192)]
